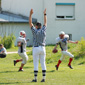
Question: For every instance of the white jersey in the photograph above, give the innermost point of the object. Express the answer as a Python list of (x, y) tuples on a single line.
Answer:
[(62, 42), (22, 48), (4, 50)]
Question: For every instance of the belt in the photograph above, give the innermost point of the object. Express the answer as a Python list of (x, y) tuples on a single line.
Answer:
[(36, 46)]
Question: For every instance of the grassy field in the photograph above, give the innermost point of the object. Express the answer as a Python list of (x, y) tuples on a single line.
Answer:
[(9, 74)]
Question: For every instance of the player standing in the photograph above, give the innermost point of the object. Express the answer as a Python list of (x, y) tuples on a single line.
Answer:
[(21, 42), (39, 38), (62, 40)]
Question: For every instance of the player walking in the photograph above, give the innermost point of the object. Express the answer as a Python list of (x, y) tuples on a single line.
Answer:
[(21, 42), (39, 38), (62, 40)]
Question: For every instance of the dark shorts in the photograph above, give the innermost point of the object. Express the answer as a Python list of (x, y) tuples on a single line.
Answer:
[(2, 55)]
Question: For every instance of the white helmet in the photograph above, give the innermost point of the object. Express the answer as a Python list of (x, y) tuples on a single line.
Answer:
[(62, 33), (21, 33)]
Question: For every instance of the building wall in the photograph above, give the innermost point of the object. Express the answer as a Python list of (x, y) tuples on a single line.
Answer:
[(75, 27), (23, 7), (9, 28)]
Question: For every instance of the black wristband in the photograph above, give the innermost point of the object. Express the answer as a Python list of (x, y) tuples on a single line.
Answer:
[(45, 14)]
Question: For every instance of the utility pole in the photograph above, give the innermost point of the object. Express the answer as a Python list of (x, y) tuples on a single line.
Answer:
[(0, 7)]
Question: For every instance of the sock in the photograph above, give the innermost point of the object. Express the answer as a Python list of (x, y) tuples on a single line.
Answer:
[(70, 60), (59, 63), (35, 75), (44, 74), (20, 68), (17, 60)]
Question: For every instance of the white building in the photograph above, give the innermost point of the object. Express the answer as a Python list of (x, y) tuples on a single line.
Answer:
[(63, 15)]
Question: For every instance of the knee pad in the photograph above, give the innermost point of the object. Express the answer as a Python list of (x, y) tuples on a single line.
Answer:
[(72, 56), (25, 60)]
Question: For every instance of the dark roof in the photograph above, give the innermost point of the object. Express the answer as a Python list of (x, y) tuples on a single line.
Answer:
[(6, 17)]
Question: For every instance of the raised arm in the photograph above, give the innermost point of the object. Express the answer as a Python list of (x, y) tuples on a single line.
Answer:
[(30, 18), (45, 18)]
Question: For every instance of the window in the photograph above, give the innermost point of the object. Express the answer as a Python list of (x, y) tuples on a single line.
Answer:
[(70, 36), (65, 10)]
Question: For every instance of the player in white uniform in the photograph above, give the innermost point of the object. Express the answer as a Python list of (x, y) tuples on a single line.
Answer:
[(21, 42), (3, 51), (62, 40)]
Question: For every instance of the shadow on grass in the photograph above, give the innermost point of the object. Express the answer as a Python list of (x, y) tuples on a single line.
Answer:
[(23, 67), (10, 83), (81, 63), (7, 71), (51, 71), (28, 67), (46, 71), (55, 71), (15, 83)]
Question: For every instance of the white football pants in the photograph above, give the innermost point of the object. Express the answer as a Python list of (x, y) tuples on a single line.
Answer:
[(66, 53), (24, 57), (39, 53)]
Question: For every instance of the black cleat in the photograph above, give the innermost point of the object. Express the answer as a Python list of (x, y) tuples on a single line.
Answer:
[(34, 80), (56, 67), (70, 66), (20, 70), (43, 80), (15, 62)]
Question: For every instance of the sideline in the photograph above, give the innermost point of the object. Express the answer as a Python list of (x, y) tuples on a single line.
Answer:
[(15, 52), (11, 52)]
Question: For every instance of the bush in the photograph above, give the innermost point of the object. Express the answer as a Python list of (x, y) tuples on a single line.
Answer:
[(7, 41), (79, 50)]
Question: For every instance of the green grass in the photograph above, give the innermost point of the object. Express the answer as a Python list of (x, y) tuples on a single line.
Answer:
[(16, 49), (9, 74)]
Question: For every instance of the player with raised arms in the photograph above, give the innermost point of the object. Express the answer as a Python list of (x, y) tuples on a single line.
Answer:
[(39, 41)]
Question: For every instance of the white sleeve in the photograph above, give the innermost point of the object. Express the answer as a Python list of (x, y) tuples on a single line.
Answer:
[(67, 36), (24, 41), (4, 49), (19, 40), (57, 40)]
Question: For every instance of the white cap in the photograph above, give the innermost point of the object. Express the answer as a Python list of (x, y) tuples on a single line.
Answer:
[(62, 33), (21, 32)]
